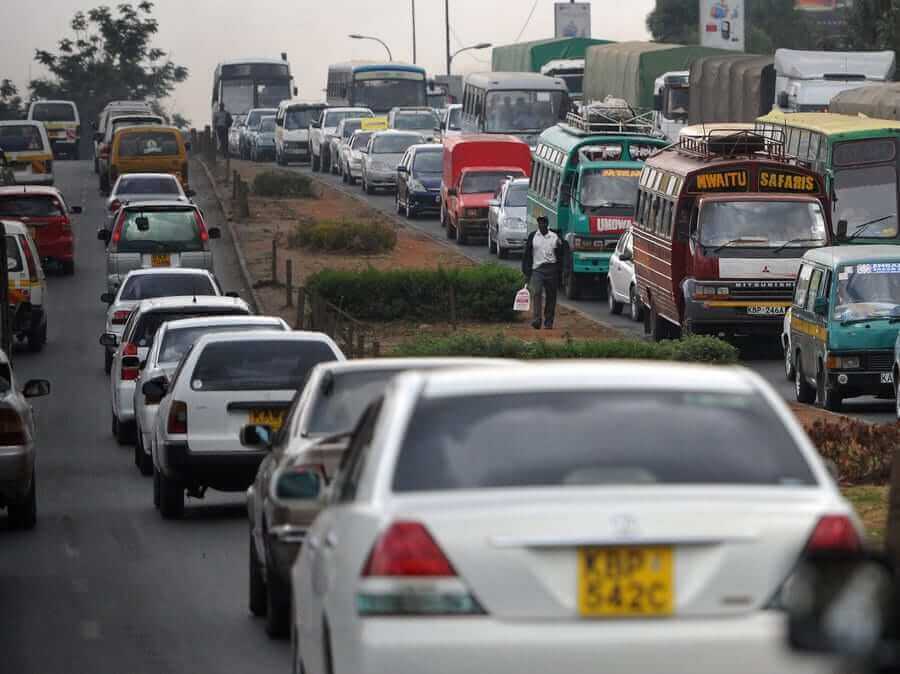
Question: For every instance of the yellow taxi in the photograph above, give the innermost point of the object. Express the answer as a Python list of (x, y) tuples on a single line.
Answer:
[(148, 149)]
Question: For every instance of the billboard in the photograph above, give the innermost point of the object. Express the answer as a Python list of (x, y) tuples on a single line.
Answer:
[(572, 19), (722, 24)]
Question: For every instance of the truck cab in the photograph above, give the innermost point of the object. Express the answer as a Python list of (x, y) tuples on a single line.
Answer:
[(671, 100)]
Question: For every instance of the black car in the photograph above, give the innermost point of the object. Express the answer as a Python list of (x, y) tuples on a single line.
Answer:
[(419, 180)]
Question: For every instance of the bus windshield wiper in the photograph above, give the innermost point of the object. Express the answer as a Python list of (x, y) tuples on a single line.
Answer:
[(788, 243), (740, 240), (859, 230)]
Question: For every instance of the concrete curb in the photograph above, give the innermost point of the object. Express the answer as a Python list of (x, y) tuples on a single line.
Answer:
[(242, 261)]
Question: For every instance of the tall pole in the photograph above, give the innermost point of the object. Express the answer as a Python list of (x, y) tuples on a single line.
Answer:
[(414, 29), (447, 21)]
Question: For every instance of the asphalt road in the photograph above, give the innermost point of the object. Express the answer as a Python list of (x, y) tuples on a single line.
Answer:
[(103, 585), (764, 358)]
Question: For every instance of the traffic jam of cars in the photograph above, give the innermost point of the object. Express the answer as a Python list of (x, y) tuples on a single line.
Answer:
[(482, 514)]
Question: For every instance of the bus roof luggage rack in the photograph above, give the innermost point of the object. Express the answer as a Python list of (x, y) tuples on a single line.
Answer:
[(612, 116), (718, 143)]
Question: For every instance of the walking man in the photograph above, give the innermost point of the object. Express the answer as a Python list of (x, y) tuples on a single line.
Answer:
[(221, 122), (542, 267)]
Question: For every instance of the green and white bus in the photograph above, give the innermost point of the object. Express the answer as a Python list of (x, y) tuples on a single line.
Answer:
[(585, 180), (858, 157)]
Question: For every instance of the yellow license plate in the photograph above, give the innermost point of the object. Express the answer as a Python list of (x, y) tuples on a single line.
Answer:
[(625, 582), (271, 418), (160, 260)]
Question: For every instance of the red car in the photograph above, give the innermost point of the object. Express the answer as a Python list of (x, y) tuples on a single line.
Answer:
[(474, 167), (46, 214)]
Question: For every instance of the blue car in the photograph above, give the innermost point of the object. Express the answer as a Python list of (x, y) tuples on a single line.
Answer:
[(419, 180)]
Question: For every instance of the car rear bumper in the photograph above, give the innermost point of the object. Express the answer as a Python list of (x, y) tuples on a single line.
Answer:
[(591, 263), (475, 226), (16, 468), (754, 643), (61, 248), (125, 396), (851, 384), (733, 317), (225, 471)]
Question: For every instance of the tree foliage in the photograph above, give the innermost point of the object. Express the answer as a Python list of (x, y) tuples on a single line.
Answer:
[(872, 24), (10, 101), (675, 21)]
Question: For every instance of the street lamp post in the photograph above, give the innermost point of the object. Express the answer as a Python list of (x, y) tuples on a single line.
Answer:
[(414, 30), (480, 45), (356, 36)]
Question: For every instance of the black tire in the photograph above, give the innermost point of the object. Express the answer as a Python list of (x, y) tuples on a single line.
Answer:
[(460, 236), (155, 488), (104, 183), (37, 338), (490, 243), (278, 609), (326, 162), (635, 307), (502, 253), (96, 166), (789, 371), (23, 515), (107, 360), (802, 390), (125, 431), (68, 267), (397, 203), (658, 326), (367, 188), (571, 282), (171, 498), (615, 307), (142, 460), (827, 398), (258, 598), (316, 164)]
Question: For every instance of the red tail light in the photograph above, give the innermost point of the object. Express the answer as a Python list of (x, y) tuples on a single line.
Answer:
[(12, 429), (66, 224), (121, 317), (131, 366), (407, 549), (117, 232), (204, 235), (29, 259), (129, 349), (177, 418), (834, 532), (114, 205), (104, 150)]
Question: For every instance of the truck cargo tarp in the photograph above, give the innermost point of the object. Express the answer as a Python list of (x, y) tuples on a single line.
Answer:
[(731, 88), (629, 69), (816, 65), (528, 57), (881, 101)]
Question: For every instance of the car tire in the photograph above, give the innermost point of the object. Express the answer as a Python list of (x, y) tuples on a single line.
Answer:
[(155, 488), (104, 183), (142, 460), (278, 609), (492, 249), (68, 267), (124, 431), (37, 338), (107, 360), (326, 163), (316, 164), (171, 498), (571, 282), (367, 188), (409, 211), (635, 308), (397, 204), (615, 307), (502, 253), (96, 166), (802, 390), (258, 599), (827, 398), (789, 370), (23, 515)]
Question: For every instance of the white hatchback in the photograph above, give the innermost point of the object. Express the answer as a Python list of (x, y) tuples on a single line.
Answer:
[(579, 517), (621, 288)]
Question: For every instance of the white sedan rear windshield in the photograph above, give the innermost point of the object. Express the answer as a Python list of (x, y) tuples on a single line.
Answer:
[(595, 439), (149, 286)]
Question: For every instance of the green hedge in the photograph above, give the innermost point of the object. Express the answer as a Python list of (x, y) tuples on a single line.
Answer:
[(373, 236), (695, 349), (283, 184), (483, 293)]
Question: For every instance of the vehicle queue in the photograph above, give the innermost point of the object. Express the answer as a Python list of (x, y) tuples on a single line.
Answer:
[(381, 533)]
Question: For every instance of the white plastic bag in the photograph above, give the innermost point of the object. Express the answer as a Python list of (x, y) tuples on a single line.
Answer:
[(523, 300)]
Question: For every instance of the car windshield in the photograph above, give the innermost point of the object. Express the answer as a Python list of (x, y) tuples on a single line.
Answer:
[(454, 119), (267, 125), (149, 286), (148, 185), (428, 162), (168, 231), (343, 397), (762, 224), (258, 364), (350, 125), (13, 259), (383, 94), (334, 117), (482, 182), (256, 116), (517, 196), (237, 95), (516, 439), (574, 83), (866, 198), (53, 112), (36, 206), (868, 290), (415, 121), (394, 143), (679, 100), (149, 323), (148, 144), (125, 123), (609, 188), (360, 140), (20, 138), (177, 342), (300, 118), (517, 111)]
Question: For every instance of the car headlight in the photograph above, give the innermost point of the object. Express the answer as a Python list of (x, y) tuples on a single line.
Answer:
[(843, 362), (378, 166), (415, 185), (709, 291), (513, 223), (472, 212)]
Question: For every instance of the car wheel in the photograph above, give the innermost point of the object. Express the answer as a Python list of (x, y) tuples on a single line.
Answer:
[(460, 235), (125, 432), (802, 390), (107, 361), (142, 460), (827, 398), (316, 164), (635, 308), (615, 307), (490, 243), (367, 187), (326, 163), (104, 183), (277, 608), (410, 211), (397, 204), (258, 601), (171, 498), (788, 363), (37, 338), (155, 488), (571, 282), (68, 267), (23, 515), (502, 253)]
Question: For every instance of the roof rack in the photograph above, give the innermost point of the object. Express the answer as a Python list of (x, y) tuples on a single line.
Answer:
[(732, 143), (612, 116)]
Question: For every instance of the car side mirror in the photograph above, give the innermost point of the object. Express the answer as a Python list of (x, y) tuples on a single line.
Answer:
[(215, 233), (299, 484), (108, 298), (494, 203), (296, 91), (109, 339), (626, 255), (103, 235), (841, 229), (452, 192), (155, 389), (257, 436), (820, 306), (190, 193), (76, 210), (36, 388)]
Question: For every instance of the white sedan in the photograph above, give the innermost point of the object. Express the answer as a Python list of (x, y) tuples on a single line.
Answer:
[(615, 517), (143, 187), (621, 290)]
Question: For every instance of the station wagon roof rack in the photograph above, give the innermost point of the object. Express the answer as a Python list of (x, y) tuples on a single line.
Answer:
[(718, 143), (612, 116)]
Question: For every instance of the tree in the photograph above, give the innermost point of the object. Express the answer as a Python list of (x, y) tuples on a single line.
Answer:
[(675, 21), (180, 121), (10, 101), (872, 24)]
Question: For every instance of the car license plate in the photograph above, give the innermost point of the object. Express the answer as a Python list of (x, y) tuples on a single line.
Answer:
[(755, 310), (625, 582), (160, 260), (887, 377), (271, 418)]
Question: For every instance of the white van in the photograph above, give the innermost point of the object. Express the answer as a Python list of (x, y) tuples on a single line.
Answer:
[(27, 286), (292, 130), (28, 153), (114, 109), (63, 125)]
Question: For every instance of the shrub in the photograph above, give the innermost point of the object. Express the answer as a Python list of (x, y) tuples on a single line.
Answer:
[(483, 293), (862, 452), (373, 236), (283, 184), (699, 349)]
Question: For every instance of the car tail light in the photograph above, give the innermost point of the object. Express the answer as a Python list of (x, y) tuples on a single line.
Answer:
[(177, 423), (114, 205), (29, 260), (201, 226), (834, 532), (120, 317), (104, 150), (12, 428), (116, 233), (66, 224), (407, 573), (131, 365)]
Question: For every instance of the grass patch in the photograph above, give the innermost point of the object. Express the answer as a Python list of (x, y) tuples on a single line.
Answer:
[(373, 236), (283, 184), (872, 506)]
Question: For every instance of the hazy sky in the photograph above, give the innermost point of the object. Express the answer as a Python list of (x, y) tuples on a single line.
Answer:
[(200, 33)]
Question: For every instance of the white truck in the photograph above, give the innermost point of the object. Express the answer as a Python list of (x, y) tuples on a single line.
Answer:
[(570, 71), (671, 101), (806, 81)]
